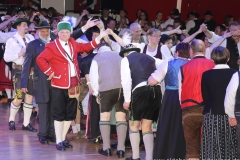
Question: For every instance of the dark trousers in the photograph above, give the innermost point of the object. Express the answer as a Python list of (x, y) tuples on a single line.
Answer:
[(63, 107), (238, 137), (46, 123), (192, 120)]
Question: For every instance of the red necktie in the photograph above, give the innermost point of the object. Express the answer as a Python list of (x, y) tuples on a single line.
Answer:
[(24, 40)]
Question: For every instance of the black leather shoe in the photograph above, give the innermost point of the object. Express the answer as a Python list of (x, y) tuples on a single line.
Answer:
[(120, 154), (107, 152), (43, 140), (11, 125), (132, 158), (51, 138), (60, 147), (29, 127), (114, 146), (98, 140), (66, 144)]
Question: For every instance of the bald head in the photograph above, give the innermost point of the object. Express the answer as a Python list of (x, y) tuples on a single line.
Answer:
[(134, 25), (198, 47)]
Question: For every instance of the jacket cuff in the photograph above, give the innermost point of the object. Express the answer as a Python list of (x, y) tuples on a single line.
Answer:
[(49, 71), (94, 43)]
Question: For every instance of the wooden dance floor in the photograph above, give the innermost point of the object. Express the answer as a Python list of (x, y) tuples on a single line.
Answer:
[(24, 145)]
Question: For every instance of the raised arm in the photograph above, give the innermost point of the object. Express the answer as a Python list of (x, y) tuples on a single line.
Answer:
[(5, 23), (220, 40), (177, 31), (191, 37)]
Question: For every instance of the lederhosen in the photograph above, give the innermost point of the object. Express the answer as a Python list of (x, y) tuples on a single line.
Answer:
[(17, 73), (158, 55), (237, 116)]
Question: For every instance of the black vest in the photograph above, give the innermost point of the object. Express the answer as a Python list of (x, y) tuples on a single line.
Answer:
[(195, 28), (234, 54), (237, 102), (141, 66)]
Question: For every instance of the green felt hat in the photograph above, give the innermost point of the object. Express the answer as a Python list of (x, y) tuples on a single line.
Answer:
[(43, 24), (20, 20), (64, 25)]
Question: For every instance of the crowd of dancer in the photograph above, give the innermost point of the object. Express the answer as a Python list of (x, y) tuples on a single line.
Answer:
[(171, 86)]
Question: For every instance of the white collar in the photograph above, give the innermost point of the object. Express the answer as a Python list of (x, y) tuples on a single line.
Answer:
[(131, 52), (199, 55), (62, 42), (221, 66)]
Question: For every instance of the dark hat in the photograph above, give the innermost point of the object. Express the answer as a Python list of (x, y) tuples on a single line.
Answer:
[(95, 29), (43, 24), (195, 14), (175, 12), (20, 20), (128, 48), (208, 12)]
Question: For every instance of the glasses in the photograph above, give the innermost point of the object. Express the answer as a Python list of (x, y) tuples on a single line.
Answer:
[(155, 36), (143, 15)]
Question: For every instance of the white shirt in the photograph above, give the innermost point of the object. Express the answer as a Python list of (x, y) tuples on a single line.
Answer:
[(229, 101), (169, 21), (166, 53), (190, 24), (14, 46), (208, 53), (67, 49), (161, 71), (126, 79), (5, 36)]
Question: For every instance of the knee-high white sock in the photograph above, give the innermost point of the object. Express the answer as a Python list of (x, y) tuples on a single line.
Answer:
[(105, 132), (13, 111), (66, 125), (27, 110), (135, 140), (74, 129), (121, 134), (148, 140), (58, 126), (8, 91), (78, 127)]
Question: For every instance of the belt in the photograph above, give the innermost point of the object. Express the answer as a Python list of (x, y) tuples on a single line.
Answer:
[(15, 66)]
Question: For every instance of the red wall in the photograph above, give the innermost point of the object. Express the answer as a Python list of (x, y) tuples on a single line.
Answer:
[(219, 8), (151, 6)]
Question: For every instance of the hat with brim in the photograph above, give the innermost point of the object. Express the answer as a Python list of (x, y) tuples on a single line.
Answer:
[(20, 20), (64, 25), (208, 13), (175, 12), (42, 24), (126, 49)]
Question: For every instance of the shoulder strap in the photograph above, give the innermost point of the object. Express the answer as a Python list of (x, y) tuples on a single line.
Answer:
[(145, 49), (17, 41), (159, 53)]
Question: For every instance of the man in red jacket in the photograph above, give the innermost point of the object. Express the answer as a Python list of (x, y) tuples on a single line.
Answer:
[(59, 62), (190, 95)]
